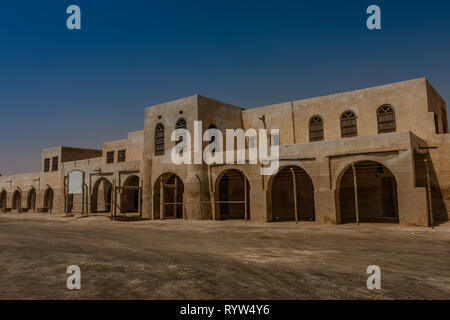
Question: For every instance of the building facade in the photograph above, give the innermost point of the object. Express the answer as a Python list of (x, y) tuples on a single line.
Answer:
[(380, 154)]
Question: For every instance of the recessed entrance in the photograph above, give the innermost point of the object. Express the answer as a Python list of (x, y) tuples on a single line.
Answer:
[(31, 200), (101, 196), (129, 196), (376, 194), (171, 203), (48, 200), (233, 197), (292, 195)]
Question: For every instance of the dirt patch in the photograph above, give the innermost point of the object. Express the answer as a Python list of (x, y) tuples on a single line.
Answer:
[(180, 259)]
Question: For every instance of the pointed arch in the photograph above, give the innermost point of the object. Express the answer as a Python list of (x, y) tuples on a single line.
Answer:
[(48, 200), (17, 200), (3, 198), (31, 200)]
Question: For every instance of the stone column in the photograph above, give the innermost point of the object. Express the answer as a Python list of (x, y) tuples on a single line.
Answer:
[(147, 195), (325, 207), (258, 206)]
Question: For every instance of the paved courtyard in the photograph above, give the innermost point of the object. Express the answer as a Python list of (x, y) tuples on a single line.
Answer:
[(180, 259)]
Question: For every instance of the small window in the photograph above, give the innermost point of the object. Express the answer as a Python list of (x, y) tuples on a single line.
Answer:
[(386, 119), (110, 157), (55, 164), (181, 124), (46, 164), (444, 120), (159, 139), (121, 155), (436, 123), (213, 138), (315, 129), (348, 125)]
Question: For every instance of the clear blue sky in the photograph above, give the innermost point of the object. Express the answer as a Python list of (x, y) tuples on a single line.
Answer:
[(80, 88)]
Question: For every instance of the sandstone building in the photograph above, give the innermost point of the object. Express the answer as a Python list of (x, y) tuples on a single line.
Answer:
[(380, 154)]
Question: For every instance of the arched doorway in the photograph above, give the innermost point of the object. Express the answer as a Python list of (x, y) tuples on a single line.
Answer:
[(101, 196), (173, 189), (31, 200), (292, 195), (17, 201), (129, 197), (3, 196), (376, 193), (233, 196), (48, 200)]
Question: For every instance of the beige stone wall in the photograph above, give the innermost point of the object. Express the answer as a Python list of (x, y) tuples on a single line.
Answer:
[(409, 99), (326, 161), (133, 145), (167, 114), (438, 107), (95, 170), (439, 154)]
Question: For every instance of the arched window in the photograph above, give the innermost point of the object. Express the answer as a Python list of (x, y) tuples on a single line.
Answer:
[(315, 129), (386, 119), (444, 120), (213, 138), (436, 123), (348, 124), (159, 139), (180, 124)]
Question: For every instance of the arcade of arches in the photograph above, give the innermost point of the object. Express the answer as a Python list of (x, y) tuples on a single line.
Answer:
[(366, 191)]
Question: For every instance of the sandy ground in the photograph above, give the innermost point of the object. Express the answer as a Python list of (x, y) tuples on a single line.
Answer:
[(180, 259)]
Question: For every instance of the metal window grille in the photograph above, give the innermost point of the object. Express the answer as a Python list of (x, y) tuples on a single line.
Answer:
[(159, 139), (180, 124), (110, 157), (386, 119), (47, 165), (121, 156), (55, 164), (348, 125), (316, 129)]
